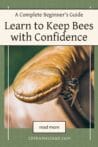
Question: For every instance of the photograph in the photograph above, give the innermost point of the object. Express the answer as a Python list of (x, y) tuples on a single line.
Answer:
[(49, 83)]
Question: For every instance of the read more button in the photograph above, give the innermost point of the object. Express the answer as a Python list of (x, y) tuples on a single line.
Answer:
[(49, 127)]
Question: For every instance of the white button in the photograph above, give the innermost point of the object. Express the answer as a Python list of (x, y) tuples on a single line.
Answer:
[(49, 127)]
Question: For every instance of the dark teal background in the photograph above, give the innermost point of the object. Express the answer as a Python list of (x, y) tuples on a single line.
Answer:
[(18, 57), (18, 137)]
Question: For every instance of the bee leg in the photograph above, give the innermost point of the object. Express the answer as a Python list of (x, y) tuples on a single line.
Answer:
[(71, 90)]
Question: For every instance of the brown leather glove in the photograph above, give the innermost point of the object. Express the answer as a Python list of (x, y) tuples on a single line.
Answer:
[(46, 74), (43, 78), (22, 114)]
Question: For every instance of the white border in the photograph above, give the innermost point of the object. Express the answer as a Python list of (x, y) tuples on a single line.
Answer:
[(8, 133), (90, 107)]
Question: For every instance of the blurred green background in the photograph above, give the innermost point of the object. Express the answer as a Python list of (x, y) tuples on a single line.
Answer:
[(18, 56)]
